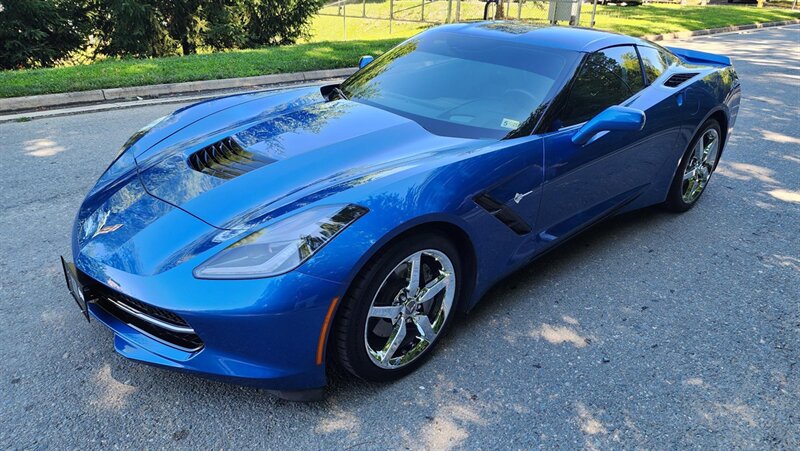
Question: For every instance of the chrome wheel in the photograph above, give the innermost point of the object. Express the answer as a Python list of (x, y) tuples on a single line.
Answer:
[(410, 308), (700, 166)]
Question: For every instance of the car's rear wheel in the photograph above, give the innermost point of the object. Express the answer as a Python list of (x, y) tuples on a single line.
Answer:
[(398, 308), (696, 167)]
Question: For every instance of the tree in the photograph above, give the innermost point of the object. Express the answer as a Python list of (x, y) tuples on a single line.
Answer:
[(184, 22), (132, 28), (279, 22), (225, 24), (40, 33)]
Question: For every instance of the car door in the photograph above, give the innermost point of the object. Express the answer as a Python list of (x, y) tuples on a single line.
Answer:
[(584, 183)]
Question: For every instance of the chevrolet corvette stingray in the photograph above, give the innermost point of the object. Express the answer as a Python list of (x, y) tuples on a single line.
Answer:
[(259, 238)]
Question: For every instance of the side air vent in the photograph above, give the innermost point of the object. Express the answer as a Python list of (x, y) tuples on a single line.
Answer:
[(678, 79), (226, 159), (502, 212)]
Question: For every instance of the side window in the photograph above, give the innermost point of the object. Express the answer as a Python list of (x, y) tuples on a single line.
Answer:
[(653, 62), (607, 77), (624, 63)]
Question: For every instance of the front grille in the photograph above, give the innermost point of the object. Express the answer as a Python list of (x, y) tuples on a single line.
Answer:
[(678, 79), (158, 323), (226, 159)]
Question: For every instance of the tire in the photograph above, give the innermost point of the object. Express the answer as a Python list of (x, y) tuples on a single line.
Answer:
[(363, 343), (701, 158)]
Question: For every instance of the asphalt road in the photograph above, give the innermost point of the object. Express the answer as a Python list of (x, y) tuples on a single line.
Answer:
[(652, 330)]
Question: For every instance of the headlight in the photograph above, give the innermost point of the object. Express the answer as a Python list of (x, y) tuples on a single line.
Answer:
[(282, 246)]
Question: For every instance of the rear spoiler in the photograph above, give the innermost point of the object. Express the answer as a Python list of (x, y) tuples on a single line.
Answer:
[(694, 56)]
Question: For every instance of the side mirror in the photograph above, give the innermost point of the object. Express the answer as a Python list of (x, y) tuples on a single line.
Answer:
[(613, 118), (364, 60)]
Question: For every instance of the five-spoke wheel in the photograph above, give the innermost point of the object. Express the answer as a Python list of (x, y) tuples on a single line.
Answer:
[(398, 308), (696, 167), (700, 166), (410, 308)]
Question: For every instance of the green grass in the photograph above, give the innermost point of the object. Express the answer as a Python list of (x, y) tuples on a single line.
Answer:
[(657, 19), (137, 72), (365, 36)]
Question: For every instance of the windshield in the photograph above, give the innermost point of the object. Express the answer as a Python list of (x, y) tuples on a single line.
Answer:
[(461, 85)]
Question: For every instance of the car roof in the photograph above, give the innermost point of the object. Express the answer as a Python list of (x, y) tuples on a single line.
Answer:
[(566, 38)]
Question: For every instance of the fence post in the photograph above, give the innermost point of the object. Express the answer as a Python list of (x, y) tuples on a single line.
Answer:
[(422, 12), (594, 11), (449, 10), (364, 9), (391, 15), (519, 9)]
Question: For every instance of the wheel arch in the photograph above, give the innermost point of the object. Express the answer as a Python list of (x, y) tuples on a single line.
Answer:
[(722, 118), (436, 224), (429, 223)]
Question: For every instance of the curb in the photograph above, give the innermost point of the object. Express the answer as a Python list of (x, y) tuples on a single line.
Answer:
[(15, 104), (710, 31), (12, 104)]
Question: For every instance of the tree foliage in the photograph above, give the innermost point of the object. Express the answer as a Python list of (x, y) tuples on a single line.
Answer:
[(36, 33), (279, 22), (132, 28)]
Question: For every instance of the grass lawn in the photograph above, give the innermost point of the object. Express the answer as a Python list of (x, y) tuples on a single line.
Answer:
[(326, 50)]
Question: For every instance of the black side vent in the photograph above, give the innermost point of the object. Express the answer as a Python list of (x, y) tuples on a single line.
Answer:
[(226, 159), (678, 79), (502, 212)]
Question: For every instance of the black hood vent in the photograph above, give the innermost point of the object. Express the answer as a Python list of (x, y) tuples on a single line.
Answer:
[(678, 79), (226, 159)]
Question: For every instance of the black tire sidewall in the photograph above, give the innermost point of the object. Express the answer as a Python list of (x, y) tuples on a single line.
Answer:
[(351, 324)]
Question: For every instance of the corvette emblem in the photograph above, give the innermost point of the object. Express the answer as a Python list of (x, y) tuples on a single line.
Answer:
[(518, 197), (108, 229)]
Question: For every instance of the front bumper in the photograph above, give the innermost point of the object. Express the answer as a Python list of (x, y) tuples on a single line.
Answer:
[(263, 332)]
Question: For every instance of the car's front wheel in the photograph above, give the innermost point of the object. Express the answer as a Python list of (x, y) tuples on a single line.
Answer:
[(695, 168), (398, 308)]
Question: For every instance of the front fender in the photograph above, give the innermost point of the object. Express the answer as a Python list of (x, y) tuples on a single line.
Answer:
[(442, 195)]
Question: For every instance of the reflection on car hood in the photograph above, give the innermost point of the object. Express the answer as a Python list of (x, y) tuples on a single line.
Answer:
[(237, 165)]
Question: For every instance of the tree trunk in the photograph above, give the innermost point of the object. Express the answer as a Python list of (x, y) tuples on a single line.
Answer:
[(188, 46)]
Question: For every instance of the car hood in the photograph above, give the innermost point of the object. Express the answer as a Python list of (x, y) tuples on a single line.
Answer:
[(244, 162)]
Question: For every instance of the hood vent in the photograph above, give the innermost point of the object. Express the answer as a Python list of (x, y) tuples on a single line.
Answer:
[(226, 159), (678, 79)]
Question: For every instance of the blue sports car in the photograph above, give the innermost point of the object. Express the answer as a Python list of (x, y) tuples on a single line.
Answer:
[(260, 238)]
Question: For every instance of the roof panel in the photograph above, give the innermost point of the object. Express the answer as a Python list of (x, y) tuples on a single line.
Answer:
[(567, 38)]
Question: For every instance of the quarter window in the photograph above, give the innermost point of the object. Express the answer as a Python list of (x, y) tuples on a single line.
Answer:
[(654, 62), (607, 77)]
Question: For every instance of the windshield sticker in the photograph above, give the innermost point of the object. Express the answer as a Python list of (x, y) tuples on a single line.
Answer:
[(509, 123)]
